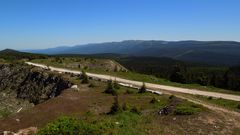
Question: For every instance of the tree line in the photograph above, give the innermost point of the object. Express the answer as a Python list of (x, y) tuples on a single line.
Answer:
[(186, 73)]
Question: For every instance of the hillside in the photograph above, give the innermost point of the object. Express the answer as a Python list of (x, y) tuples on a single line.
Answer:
[(90, 110), (13, 55), (83, 63), (41, 100), (209, 52)]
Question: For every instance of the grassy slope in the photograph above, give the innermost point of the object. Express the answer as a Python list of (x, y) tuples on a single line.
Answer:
[(148, 122), (91, 106), (229, 104)]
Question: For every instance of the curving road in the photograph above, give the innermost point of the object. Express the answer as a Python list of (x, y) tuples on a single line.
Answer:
[(156, 87)]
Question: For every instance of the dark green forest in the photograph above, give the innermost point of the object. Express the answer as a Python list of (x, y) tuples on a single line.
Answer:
[(186, 73)]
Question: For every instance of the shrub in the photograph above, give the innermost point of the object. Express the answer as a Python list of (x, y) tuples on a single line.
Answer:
[(92, 85), (143, 89), (68, 126), (110, 89), (115, 68), (116, 85), (154, 100), (238, 106), (171, 97), (184, 111), (187, 109), (129, 92), (85, 79), (4, 113), (210, 98), (136, 110), (125, 107), (115, 107)]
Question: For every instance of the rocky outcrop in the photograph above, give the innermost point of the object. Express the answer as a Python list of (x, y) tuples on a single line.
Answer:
[(27, 131), (31, 84)]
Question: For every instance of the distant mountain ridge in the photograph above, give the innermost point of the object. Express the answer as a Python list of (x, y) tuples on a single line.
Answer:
[(210, 52)]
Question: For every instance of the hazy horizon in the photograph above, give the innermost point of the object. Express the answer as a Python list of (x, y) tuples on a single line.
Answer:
[(28, 49)]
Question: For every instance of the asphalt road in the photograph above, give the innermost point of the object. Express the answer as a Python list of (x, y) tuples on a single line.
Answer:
[(156, 87)]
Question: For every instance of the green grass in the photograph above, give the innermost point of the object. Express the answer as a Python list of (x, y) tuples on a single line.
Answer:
[(152, 79), (69, 126), (120, 124), (188, 108), (125, 122), (4, 113), (139, 117), (234, 105)]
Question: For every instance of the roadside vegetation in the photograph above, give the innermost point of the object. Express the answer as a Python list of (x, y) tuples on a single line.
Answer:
[(188, 108), (159, 70), (228, 104), (220, 76), (110, 88), (143, 89), (63, 62), (84, 78)]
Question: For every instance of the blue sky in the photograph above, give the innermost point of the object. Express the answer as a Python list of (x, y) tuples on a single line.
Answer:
[(33, 24)]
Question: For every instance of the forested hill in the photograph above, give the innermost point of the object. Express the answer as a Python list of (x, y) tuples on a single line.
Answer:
[(13, 55), (209, 52)]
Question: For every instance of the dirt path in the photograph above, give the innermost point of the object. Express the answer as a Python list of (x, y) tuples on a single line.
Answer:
[(149, 85)]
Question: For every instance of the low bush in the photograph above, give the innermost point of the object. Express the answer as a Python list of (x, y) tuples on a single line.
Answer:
[(91, 85), (129, 92), (171, 97), (85, 79), (116, 85), (210, 98), (110, 89), (143, 89), (116, 107), (68, 126), (136, 110), (238, 106), (187, 109), (154, 100), (125, 107), (4, 113)]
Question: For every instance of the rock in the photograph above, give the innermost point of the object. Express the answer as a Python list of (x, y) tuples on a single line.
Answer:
[(27, 131), (17, 120), (75, 87), (32, 84), (8, 133), (163, 111)]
